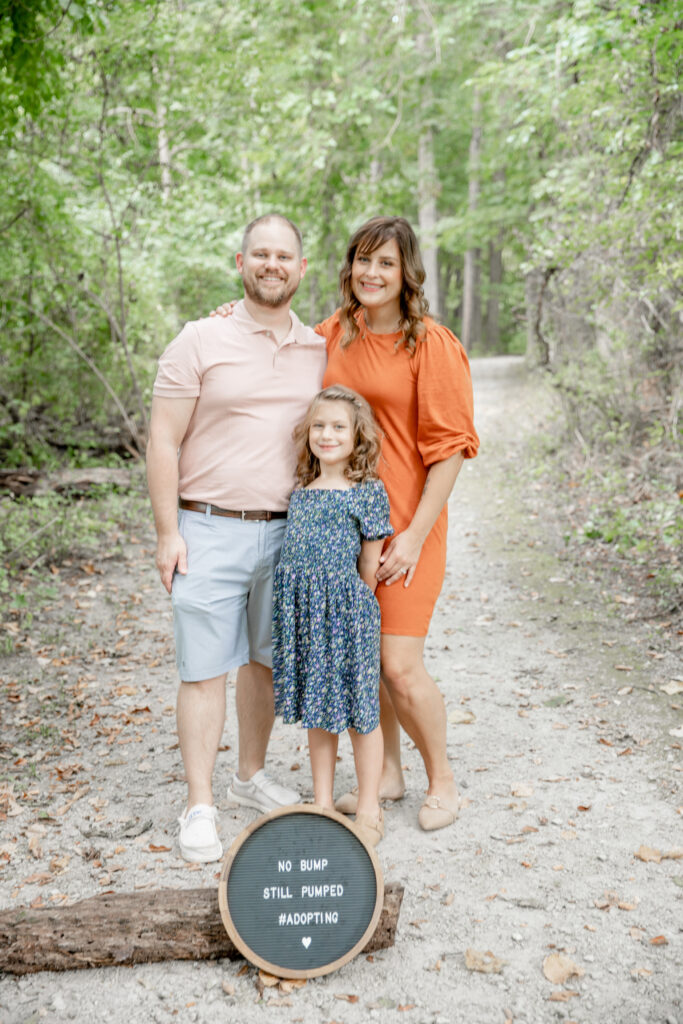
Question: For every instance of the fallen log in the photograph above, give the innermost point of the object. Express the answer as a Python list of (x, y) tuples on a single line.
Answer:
[(122, 929), (30, 482)]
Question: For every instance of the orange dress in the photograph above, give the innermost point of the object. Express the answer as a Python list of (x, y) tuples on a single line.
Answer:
[(423, 405)]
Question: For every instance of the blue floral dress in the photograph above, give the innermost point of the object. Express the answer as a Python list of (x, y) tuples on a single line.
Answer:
[(326, 620)]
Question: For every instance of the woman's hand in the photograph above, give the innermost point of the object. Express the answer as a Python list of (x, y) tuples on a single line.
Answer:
[(400, 559), (224, 310)]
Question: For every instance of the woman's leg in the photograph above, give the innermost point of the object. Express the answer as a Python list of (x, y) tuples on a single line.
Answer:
[(322, 749), (392, 784), (420, 709), (367, 754)]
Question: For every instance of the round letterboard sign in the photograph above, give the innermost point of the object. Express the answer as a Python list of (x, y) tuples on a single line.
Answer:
[(300, 893)]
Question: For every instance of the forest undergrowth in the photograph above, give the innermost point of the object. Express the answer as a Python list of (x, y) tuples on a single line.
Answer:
[(614, 505)]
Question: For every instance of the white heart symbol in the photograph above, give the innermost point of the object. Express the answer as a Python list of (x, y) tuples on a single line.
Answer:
[(307, 941)]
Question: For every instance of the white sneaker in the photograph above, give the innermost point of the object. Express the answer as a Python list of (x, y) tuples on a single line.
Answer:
[(198, 838), (261, 792)]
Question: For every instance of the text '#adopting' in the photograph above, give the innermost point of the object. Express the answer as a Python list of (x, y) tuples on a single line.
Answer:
[(301, 892)]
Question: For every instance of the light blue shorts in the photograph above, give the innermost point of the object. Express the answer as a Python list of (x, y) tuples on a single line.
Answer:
[(223, 606)]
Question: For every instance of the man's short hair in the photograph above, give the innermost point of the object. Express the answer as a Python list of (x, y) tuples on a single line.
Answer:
[(272, 216)]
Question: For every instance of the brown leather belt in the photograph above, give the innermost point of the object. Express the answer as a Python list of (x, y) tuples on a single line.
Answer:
[(255, 514)]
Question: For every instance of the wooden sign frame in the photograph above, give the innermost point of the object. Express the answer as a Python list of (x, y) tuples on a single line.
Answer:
[(250, 954)]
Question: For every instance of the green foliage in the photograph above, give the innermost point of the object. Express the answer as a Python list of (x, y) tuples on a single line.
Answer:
[(31, 55), (647, 534), (52, 529)]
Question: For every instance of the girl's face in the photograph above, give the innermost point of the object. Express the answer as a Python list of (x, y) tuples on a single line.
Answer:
[(377, 279), (330, 435)]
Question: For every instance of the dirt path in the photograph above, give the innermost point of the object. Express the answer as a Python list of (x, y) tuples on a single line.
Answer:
[(564, 751)]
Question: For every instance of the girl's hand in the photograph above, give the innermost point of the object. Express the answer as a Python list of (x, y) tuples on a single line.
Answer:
[(400, 559), (224, 310)]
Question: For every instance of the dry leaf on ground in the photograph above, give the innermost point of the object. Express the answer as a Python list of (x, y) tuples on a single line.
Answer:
[(562, 995), (268, 980), (558, 967), (461, 716), (288, 985), (485, 963), (648, 853)]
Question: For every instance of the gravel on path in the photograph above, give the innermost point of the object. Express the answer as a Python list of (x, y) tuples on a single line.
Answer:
[(557, 895)]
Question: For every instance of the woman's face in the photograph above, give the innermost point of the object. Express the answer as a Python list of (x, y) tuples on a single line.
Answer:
[(377, 278)]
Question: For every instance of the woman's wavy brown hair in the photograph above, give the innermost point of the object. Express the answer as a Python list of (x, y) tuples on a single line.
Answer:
[(366, 440), (414, 306)]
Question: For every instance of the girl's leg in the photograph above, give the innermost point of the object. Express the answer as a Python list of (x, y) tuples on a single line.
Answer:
[(367, 754), (421, 711), (391, 785), (322, 748)]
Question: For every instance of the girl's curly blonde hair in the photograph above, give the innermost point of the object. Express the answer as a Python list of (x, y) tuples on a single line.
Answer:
[(414, 306), (366, 438)]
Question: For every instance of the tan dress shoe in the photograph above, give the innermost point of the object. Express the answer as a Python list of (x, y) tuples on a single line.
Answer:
[(434, 814), (348, 802), (371, 830)]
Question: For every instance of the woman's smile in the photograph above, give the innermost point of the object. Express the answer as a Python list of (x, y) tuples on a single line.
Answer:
[(377, 281)]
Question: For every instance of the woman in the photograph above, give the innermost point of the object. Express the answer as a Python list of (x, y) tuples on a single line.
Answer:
[(415, 375)]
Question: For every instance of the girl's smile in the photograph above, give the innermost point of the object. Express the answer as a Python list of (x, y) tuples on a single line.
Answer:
[(330, 436)]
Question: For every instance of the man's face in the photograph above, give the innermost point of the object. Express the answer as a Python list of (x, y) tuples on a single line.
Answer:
[(272, 266)]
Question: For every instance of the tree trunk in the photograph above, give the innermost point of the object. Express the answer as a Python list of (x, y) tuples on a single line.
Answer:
[(427, 186), (135, 928), (164, 151), (492, 323), (471, 301), (161, 83), (537, 348)]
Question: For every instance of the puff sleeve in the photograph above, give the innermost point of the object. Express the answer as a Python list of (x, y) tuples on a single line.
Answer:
[(373, 511), (445, 420)]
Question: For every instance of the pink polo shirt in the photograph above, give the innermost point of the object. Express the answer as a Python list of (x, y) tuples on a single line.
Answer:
[(251, 392)]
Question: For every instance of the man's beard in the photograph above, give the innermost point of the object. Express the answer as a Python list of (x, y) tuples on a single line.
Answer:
[(268, 296)]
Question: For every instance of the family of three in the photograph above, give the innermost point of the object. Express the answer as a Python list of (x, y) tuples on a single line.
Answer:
[(359, 428)]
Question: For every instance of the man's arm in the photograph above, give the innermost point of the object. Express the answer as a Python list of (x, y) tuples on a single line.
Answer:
[(169, 421)]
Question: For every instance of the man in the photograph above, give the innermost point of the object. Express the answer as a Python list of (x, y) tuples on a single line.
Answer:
[(228, 394)]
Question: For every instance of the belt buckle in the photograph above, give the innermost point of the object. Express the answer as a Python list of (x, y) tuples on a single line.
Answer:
[(243, 516)]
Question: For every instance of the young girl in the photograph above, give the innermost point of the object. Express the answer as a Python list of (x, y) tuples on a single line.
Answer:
[(326, 620)]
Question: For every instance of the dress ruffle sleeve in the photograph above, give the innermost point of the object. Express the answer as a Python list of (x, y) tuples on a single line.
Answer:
[(445, 422), (373, 511)]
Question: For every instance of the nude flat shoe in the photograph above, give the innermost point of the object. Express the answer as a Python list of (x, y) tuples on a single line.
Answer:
[(434, 814), (348, 802), (370, 830)]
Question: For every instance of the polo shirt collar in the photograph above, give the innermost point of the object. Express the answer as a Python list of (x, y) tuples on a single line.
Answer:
[(246, 323)]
